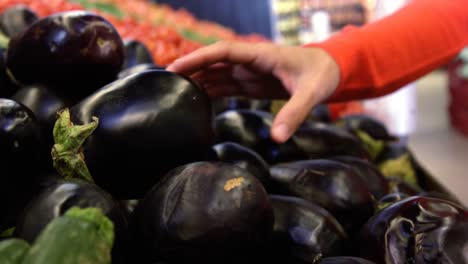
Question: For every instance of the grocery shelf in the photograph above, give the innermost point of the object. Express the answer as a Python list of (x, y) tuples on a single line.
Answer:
[(437, 146)]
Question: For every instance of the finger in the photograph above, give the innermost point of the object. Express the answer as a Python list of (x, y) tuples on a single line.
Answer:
[(294, 112), (227, 52)]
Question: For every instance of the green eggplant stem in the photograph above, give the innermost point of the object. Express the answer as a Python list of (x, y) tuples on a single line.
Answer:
[(373, 146), (4, 41), (67, 154), (400, 167)]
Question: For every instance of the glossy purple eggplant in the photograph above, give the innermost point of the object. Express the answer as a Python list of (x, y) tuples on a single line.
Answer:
[(7, 87), (20, 156), (45, 105), (137, 69), (330, 184), (136, 53), (16, 19), (320, 140), (371, 126), (245, 158), (203, 212), (60, 196), (320, 113), (374, 179), (223, 104), (416, 230), (75, 53), (149, 123), (303, 232), (251, 128), (345, 260)]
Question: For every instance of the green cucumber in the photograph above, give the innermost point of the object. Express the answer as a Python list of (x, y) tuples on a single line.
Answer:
[(81, 236), (13, 250)]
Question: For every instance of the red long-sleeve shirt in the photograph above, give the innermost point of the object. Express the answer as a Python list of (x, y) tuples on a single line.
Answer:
[(380, 57)]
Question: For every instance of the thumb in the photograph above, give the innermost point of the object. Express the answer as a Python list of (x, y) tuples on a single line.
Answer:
[(294, 112)]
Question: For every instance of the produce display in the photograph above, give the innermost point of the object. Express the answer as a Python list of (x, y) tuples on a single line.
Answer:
[(109, 158), (167, 33)]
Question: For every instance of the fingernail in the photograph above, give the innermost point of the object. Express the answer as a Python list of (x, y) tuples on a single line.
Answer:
[(281, 132)]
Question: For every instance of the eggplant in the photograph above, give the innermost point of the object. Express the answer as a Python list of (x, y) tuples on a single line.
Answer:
[(45, 105), (330, 184), (137, 69), (345, 260), (223, 104), (367, 124), (390, 199), (374, 179), (303, 232), (7, 87), (74, 53), (16, 19), (320, 113), (320, 140), (397, 185), (128, 206), (149, 123), (136, 53), (203, 212), (20, 144), (60, 196), (251, 128), (246, 159), (416, 230)]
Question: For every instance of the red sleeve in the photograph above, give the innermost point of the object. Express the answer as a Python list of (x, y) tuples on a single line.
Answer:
[(380, 57)]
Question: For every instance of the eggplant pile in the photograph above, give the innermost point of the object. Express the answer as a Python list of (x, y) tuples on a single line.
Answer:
[(89, 122)]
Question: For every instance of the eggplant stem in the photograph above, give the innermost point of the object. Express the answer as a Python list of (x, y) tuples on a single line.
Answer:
[(4, 41), (67, 153)]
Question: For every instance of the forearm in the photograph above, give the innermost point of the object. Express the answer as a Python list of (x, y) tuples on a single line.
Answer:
[(383, 56)]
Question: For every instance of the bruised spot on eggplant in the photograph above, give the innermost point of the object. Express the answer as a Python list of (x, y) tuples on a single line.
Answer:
[(206, 224), (233, 183)]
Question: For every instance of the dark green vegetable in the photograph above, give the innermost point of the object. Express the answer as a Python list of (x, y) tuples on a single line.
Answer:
[(246, 159), (16, 19), (302, 231), (330, 184), (416, 230), (149, 123), (319, 140), (75, 53), (20, 156), (80, 236), (251, 128), (136, 53), (13, 250), (205, 212)]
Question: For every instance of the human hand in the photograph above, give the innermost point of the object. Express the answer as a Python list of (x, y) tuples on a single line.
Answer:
[(264, 70)]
